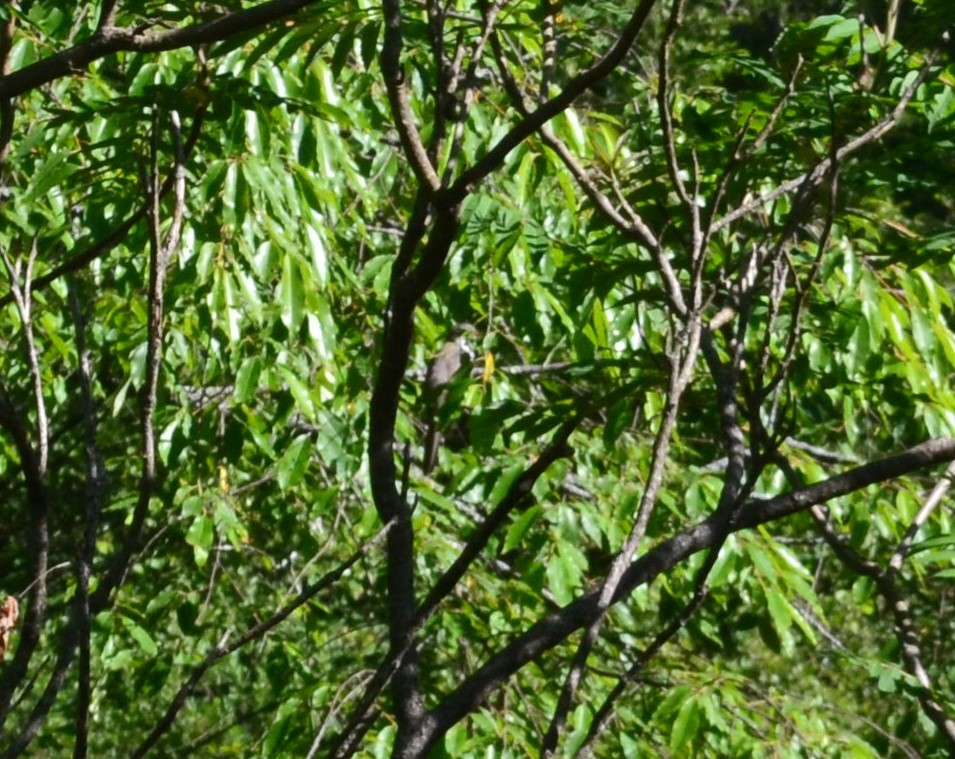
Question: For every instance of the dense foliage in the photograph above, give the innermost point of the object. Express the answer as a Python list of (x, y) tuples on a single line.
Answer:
[(690, 496)]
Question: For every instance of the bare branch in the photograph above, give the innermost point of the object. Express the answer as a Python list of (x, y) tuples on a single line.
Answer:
[(931, 503), (663, 104), (23, 297), (255, 632), (816, 175), (411, 143), (556, 105), (109, 40), (555, 628), (107, 15)]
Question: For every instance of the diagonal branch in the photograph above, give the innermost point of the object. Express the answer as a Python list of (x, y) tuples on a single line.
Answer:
[(898, 605), (680, 374), (108, 40), (555, 106), (822, 169), (255, 632), (555, 628), (516, 497)]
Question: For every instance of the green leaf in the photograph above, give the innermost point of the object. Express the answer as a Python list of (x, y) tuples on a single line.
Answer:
[(291, 294), (520, 527), (686, 724), (300, 392), (200, 536), (294, 462), (143, 639), (247, 380), (368, 38), (565, 572)]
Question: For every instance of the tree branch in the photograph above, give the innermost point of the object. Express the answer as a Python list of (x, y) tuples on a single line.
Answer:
[(411, 143), (94, 487), (822, 169), (555, 628), (254, 633), (555, 106), (108, 40)]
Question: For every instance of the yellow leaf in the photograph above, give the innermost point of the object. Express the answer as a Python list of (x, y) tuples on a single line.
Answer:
[(488, 367)]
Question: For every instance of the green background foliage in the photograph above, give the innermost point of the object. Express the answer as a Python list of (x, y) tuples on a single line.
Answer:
[(298, 197)]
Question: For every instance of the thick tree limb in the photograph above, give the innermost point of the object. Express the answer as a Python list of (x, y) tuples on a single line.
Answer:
[(555, 628), (94, 496), (411, 143), (516, 497), (108, 40)]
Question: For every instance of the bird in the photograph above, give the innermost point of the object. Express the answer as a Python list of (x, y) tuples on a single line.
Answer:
[(445, 365)]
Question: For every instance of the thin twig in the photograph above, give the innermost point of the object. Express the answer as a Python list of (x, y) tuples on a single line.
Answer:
[(160, 254), (681, 372), (255, 632), (931, 503), (816, 174)]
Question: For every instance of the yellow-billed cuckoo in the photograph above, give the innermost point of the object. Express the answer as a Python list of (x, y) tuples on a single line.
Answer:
[(441, 370)]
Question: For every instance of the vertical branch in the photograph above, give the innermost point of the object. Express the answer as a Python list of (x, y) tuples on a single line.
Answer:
[(398, 97), (39, 546), (22, 297), (107, 15), (470, 77), (95, 484), (6, 106), (406, 291), (160, 253), (33, 463), (443, 85), (548, 10), (683, 362), (663, 103), (891, 21)]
